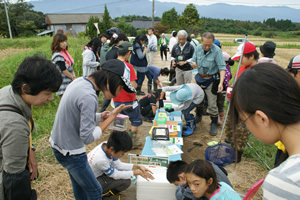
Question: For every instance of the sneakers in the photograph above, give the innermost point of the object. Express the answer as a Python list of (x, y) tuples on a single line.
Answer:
[(213, 129)]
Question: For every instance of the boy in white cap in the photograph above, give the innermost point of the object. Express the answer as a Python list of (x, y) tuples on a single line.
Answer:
[(189, 95), (294, 68)]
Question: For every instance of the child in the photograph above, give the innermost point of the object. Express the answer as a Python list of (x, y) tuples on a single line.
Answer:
[(190, 95), (267, 51), (148, 105), (250, 58), (267, 100), (114, 175), (202, 180), (134, 112), (33, 85), (90, 62), (176, 175), (221, 95), (152, 74)]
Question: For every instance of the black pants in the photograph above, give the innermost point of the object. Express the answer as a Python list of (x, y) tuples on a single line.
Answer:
[(115, 186), (163, 50)]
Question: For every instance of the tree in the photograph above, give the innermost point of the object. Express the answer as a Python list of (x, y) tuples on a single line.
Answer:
[(106, 21), (128, 29), (160, 28), (90, 29), (170, 18), (189, 17), (23, 20)]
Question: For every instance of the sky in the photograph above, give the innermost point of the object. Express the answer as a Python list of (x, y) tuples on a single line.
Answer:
[(289, 3)]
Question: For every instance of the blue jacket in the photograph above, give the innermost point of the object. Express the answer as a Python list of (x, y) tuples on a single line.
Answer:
[(135, 60)]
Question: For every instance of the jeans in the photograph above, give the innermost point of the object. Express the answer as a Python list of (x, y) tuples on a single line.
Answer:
[(149, 77), (140, 77), (186, 113), (84, 183)]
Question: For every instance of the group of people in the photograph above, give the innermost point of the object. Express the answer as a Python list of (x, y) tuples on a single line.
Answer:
[(265, 101)]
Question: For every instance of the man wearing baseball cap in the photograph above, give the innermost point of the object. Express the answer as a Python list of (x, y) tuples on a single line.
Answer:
[(134, 112), (209, 61), (294, 68)]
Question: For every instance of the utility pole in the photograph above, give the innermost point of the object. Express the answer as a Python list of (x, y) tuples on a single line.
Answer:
[(152, 13), (7, 17)]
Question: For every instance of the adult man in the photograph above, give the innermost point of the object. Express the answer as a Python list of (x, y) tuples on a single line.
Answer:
[(152, 46), (182, 54), (209, 61), (33, 85)]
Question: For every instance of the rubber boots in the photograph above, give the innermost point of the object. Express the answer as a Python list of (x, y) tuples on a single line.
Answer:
[(213, 125), (190, 127), (136, 143), (150, 89), (138, 90), (154, 87)]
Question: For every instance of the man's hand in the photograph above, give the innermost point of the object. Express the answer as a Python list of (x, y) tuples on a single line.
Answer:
[(180, 63), (32, 166), (220, 87), (194, 65)]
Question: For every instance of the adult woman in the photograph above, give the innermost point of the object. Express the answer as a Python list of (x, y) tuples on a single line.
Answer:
[(75, 121), (139, 60), (267, 100), (63, 60), (90, 63)]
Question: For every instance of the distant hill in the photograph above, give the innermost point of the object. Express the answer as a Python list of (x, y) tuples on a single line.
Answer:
[(118, 8)]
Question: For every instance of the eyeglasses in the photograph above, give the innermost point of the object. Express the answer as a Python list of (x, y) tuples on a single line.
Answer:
[(243, 122)]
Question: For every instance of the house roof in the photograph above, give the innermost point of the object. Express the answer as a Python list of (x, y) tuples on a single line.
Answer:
[(71, 18), (142, 24)]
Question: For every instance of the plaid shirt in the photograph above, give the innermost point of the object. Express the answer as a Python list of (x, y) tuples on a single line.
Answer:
[(210, 63)]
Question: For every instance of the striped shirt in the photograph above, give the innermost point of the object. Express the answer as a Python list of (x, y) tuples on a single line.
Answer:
[(283, 182), (210, 63)]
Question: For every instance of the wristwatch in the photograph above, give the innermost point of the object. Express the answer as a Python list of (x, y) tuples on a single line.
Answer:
[(33, 147)]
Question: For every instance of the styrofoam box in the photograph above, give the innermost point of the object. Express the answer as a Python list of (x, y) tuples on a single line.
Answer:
[(157, 189)]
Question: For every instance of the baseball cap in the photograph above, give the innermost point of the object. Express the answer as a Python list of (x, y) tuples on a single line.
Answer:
[(226, 56), (124, 47), (294, 63), (268, 49), (120, 68), (182, 94), (218, 43), (249, 48)]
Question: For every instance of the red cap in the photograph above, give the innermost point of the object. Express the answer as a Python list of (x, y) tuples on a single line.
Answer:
[(249, 48)]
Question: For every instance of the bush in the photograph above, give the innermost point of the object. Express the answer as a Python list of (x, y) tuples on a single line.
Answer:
[(269, 34)]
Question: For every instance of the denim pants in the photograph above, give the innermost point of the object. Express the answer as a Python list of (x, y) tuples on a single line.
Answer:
[(84, 183), (149, 77), (186, 113), (140, 77)]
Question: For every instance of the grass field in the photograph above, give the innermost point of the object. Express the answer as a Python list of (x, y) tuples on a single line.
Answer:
[(12, 53)]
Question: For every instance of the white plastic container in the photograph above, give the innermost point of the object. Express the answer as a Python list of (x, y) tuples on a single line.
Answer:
[(157, 189)]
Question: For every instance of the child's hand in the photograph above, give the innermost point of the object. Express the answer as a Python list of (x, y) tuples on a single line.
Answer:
[(147, 176), (118, 109)]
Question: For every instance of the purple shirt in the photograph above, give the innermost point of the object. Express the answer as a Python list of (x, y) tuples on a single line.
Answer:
[(227, 77)]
